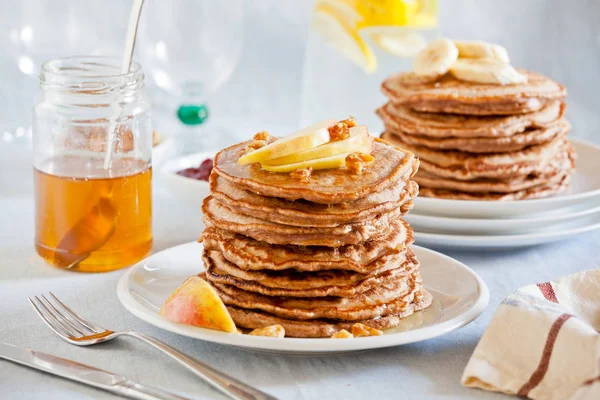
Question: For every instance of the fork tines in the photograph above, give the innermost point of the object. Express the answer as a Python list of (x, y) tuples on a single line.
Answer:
[(61, 319)]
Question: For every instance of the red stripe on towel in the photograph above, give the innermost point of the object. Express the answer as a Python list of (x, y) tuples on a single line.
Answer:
[(590, 381), (542, 368), (548, 291)]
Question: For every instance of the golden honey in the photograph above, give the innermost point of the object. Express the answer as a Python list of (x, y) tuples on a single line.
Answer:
[(102, 218)]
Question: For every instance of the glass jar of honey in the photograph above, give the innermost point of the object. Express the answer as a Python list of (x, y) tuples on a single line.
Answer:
[(92, 146)]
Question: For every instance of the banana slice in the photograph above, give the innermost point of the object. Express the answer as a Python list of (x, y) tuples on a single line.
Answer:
[(479, 49), (486, 70), (436, 59)]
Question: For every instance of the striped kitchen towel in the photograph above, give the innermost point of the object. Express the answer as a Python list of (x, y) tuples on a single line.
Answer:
[(543, 342)]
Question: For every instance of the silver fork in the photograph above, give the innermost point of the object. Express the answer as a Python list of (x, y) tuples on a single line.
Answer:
[(76, 330)]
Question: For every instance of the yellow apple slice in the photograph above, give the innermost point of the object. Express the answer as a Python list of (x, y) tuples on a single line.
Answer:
[(196, 303), (358, 141), (305, 139), (337, 161)]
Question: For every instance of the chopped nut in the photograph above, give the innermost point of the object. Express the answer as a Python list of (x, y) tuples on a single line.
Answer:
[(303, 175), (356, 162), (418, 296), (343, 334), (264, 136), (257, 144), (360, 330), (339, 131), (349, 122), (271, 331)]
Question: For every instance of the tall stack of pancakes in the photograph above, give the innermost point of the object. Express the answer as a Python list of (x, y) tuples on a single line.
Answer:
[(318, 256), (481, 141)]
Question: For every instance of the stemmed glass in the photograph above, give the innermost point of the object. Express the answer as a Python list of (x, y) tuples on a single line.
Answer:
[(189, 49), (34, 31)]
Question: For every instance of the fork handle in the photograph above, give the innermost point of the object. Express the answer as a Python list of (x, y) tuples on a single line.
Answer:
[(230, 386)]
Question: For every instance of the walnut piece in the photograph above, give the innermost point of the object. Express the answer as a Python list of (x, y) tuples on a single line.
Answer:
[(343, 334), (350, 122), (271, 331), (261, 139), (257, 144), (360, 330), (356, 162), (341, 130), (262, 135), (303, 175), (338, 131)]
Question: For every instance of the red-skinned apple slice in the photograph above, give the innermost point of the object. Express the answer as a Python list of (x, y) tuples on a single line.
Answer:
[(196, 303)]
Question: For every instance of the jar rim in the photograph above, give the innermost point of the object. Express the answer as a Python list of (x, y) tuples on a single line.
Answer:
[(81, 66), (89, 73)]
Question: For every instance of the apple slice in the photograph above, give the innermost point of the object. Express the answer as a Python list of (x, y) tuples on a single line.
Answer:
[(331, 162), (305, 139), (196, 303), (359, 140)]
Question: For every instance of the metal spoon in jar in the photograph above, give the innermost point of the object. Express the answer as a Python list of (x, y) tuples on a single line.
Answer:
[(95, 228)]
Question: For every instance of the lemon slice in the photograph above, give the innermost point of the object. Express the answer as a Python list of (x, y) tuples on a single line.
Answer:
[(400, 42), (342, 34), (344, 9)]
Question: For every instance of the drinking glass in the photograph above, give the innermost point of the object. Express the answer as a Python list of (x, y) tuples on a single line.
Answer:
[(353, 46), (189, 49)]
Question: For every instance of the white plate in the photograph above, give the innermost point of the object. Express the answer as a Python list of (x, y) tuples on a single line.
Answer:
[(507, 226), (188, 190), (459, 294), (167, 148), (558, 232), (585, 185)]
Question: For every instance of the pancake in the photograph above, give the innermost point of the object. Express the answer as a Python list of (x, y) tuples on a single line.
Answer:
[(558, 167), (401, 118), (504, 144), (252, 319), (391, 297), (308, 214), (218, 215), (466, 166), (536, 192), (301, 284), (332, 186), (367, 257), (450, 95)]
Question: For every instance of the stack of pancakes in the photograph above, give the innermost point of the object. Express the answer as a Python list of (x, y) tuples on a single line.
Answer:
[(481, 141), (318, 256)]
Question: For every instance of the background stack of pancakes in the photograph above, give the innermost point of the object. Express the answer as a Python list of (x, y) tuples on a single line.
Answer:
[(317, 256), (481, 141)]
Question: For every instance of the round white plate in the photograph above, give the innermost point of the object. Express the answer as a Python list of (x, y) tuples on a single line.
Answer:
[(167, 148), (585, 185), (507, 226), (459, 296), (558, 232), (188, 190)]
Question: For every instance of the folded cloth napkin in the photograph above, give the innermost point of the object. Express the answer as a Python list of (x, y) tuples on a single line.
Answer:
[(543, 342)]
